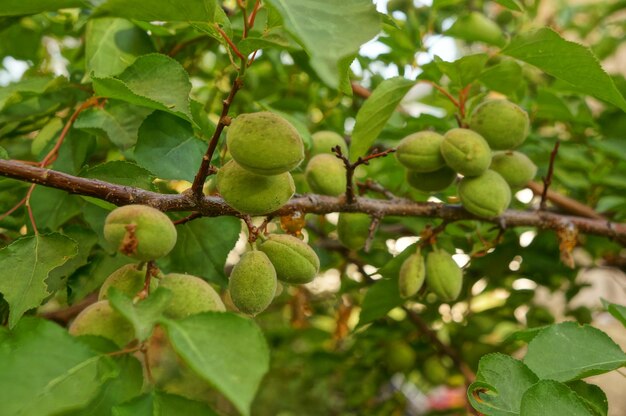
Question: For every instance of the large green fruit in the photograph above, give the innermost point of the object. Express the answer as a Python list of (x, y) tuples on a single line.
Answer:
[(515, 167), (399, 357), (326, 175), (252, 283), (487, 195), (503, 124), (295, 261), (141, 232), (466, 152), (253, 194), (128, 279), (190, 295), (353, 229), (325, 140), (431, 181), (102, 320), (264, 143), (421, 152), (411, 276), (443, 276)]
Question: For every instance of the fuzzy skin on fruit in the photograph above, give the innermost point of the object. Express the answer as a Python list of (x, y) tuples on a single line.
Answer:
[(421, 152), (443, 276), (100, 319), (353, 229), (502, 123), (431, 181), (487, 195), (325, 140), (294, 260), (466, 152), (411, 276), (190, 295), (252, 283), (253, 194), (264, 143), (326, 175), (128, 279), (141, 232), (515, 167)]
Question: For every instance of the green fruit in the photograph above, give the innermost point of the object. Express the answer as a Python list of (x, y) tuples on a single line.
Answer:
[(400, 357), (190, 295), (466, 152), (253, 194), (435, 371), (253, 283), (353, 230), (326, 175), (325, 140), (295, 261), (431, 181), (477, 27), (100, 319), (128, 279), (503, 124), (411, 276), (443, 275), (141, 232), (421, 152), (487, 195), (515, 167), (264, 143)]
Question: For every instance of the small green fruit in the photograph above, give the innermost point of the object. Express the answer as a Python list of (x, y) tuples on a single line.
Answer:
[(443, 275), (353, 229), (141, 232), (128, 279), (253, 194), (515, 167), (253, 283), (325, 140), (295, 261), (431, 181), (487, 195), (476, 26), (466, 152), (400, 357), (264, 143), (435, 371), (503, 124), (326, 175), (102, 320), (421, 152), (411, 276), (190, 295)]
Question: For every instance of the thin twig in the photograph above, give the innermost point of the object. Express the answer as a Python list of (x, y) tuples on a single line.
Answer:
[(188, 218), (374, 186), (151, 271), (371, 232), (30, 209), (253, 14), (230, 42), (547, 181)]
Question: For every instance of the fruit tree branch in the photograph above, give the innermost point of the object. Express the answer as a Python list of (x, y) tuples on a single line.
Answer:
[(212, 206)]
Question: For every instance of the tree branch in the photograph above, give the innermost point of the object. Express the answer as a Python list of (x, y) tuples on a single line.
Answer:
[(212, 206)]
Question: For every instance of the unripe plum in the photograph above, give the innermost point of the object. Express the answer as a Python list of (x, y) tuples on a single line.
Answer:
[(411, 276), (353, 229), (253, 283), (190, 295), (326, 175), (295, 261), (128, 279), (515, 167), (466, 152), (502, 123), (487, 195), (325, 140), (102, 320), (431, 181), (443, 275), (421, 152), (400, 357)]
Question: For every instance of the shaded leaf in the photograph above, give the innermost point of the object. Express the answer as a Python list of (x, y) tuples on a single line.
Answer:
[(158, 403), (144, 314), (121, 173), (18, 7), (551, 398), (159, 10), (618, 311), (593, 396)]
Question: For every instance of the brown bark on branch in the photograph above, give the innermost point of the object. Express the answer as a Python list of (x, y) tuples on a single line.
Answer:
[(212, 206)]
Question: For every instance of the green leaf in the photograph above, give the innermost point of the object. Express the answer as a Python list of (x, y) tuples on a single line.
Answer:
[(500, 383), (551, 398), (160, 10), (593, 396), (24, 267), (227, 350), (568, 351), (86, 240), (511, 4), (112, 44), (144, 314), (118, 121), (122, 173), (53, 207), (3, 153), (505, 77), (18, 7), (463, 71), (46, 371), (329, 30), (618, 311), (375, 113), (168, 147), (196, 254), (154, 81), (567, 61), (158, 403)]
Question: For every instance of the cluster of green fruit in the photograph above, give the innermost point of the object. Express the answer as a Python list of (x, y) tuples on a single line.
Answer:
[(439, 270), (434, 160), (142, 233)]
